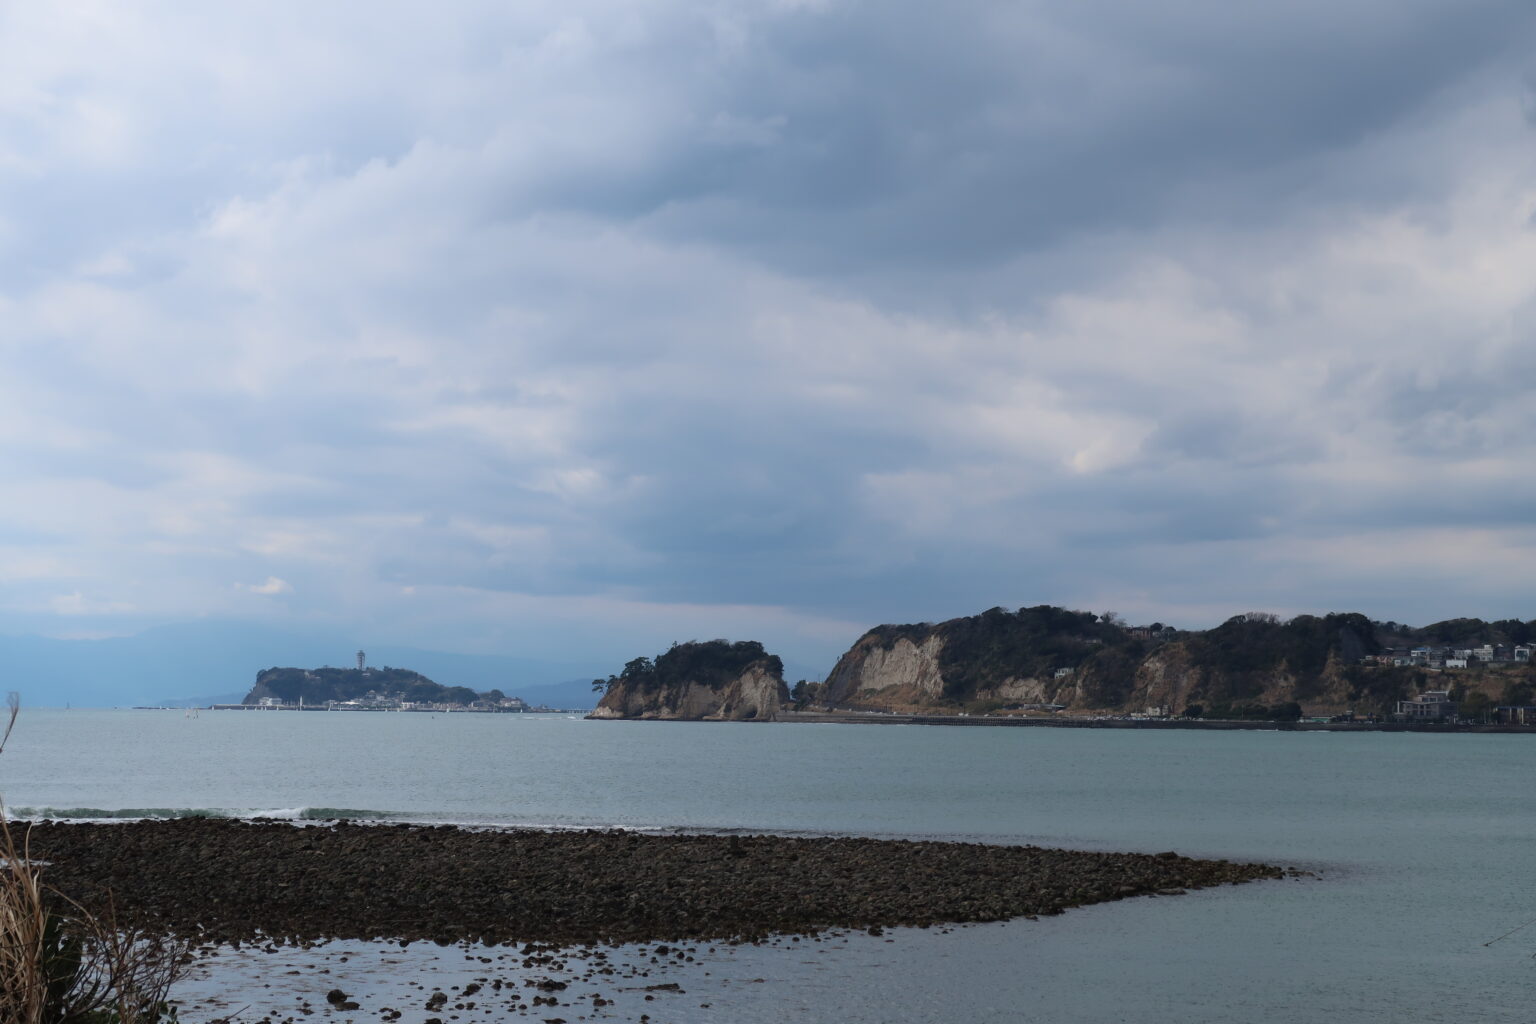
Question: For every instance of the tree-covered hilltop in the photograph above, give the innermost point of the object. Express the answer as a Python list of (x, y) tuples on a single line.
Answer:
[(708, 663), (1458, 632), (980, 653), (318, 685), (1252, 665), (1245, 656), (715, 679)]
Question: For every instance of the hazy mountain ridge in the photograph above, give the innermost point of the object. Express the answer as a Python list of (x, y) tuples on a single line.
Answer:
[(171, 664)]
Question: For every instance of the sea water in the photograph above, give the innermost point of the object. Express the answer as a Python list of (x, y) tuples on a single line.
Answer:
[(1422, 844)]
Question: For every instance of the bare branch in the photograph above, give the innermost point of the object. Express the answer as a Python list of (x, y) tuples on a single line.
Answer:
[(12, 701)]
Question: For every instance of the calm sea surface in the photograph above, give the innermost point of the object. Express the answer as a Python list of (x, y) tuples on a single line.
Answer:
[(1424, 845)]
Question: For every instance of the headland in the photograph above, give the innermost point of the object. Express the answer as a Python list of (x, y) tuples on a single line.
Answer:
[(1046, 663)]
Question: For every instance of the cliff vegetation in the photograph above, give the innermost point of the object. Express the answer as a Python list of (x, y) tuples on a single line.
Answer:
[(318, 685), (1254, 665), (708, 679)]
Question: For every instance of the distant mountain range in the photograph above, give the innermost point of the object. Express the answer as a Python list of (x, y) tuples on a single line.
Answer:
[(216, 662)]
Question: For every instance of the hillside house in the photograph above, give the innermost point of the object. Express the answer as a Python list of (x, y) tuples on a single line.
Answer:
[(1429, 706)]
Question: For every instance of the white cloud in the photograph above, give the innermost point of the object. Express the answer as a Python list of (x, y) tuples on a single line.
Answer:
[(271, 588), (76, 603), (555, 313)]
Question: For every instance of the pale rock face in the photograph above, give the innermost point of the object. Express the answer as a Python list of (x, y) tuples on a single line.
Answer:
[(1026, 691), (1165, 679), (908, 675), (905, 673), (906, 665), (755, 695)]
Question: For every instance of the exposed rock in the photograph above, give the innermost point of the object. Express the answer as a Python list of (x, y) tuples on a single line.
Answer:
[(1041, 656), (714, 681), (901, 673), (230, 881)]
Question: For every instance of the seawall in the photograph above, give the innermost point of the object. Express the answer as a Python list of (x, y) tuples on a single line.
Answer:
[(880, 718)]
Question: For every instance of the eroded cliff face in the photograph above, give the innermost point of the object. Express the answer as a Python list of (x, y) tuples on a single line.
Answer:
[(757, 694), (908, 674), (1167, 678), (1039, 656), (905, 673)]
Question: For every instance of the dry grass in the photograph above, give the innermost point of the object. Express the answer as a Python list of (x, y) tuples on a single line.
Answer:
[(60, 964)]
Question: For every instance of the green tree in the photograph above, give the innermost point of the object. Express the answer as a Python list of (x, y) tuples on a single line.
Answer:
[(1476, 705), (1517, 693), (1290, 711)]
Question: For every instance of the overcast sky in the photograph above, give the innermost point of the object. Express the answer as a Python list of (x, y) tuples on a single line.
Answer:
[(549, 327)]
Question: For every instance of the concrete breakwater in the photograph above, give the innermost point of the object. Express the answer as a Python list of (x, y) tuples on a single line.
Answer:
[(234, 881)]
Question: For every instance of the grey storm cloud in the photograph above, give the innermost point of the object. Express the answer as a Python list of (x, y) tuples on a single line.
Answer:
[(566, 325), (966, 133)]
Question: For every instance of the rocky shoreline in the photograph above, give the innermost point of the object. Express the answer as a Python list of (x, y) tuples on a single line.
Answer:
[(228, 881)]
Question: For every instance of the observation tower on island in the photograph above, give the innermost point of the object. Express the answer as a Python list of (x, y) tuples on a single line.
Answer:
[(362, 660)]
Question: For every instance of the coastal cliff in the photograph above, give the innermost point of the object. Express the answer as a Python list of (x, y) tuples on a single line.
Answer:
[(715, 680), (1048, 657)]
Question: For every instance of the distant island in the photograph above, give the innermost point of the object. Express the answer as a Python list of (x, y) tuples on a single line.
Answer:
[(1051, 661), (369, 689)]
